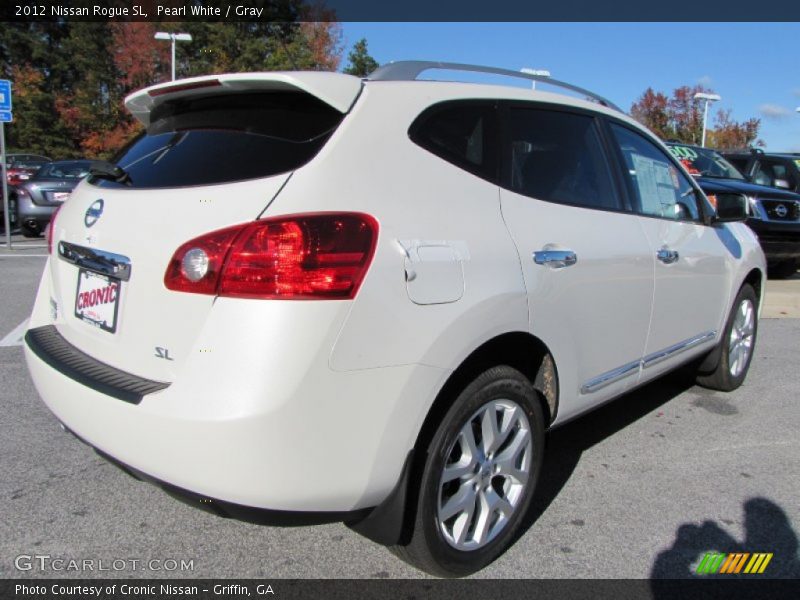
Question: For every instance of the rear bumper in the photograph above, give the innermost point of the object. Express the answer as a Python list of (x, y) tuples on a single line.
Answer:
[(331, 442), (230, 510), (28, 212)]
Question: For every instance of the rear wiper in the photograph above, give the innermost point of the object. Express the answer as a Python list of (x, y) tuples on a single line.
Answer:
[(112, 173)]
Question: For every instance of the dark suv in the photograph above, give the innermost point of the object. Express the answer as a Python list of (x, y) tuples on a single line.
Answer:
[(774, 213), (780, 170)]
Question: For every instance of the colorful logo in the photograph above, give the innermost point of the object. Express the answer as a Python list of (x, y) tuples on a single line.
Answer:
[(734, 563)]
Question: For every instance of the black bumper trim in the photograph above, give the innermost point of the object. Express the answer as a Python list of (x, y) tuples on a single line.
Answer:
[(52, 348)]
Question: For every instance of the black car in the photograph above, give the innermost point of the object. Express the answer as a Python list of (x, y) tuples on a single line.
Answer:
[(32, 203), (774, 213), (780, 170)]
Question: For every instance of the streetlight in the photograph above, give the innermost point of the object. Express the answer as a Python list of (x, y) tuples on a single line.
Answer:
[(181, 37), (539, 72), (708, 98)]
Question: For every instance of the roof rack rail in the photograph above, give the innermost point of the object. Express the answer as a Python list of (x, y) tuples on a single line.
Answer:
[(409, 70)]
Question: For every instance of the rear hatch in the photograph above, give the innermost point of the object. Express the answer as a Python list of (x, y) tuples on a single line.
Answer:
[(216, 151)]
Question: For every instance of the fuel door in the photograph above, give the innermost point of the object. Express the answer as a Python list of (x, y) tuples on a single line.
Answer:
[(434, 270)]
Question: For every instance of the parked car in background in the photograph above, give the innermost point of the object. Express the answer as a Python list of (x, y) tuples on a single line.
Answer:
[(18, 169), (780, 170), (21, 167), (774, 213), (32, 203)]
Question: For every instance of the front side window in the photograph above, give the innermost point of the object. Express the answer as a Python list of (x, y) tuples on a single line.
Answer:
[(767, 172), (557, 157), (659, 189)]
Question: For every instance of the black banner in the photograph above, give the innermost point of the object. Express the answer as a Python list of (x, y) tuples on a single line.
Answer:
[(352, 589), (407, 10)]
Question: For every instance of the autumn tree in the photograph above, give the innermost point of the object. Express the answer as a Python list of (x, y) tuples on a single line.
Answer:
[(680, 117), (360, 63), (686, 113), (729, 134), (651, 111)]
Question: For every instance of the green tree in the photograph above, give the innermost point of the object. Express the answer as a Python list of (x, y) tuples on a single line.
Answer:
[(70, 78), (360, 63)]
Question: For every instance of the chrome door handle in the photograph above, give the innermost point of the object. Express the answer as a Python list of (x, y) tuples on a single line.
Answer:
[(555, 259), (667, 256)]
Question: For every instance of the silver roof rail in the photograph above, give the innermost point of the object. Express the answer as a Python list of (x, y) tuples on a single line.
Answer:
[(409, 70)]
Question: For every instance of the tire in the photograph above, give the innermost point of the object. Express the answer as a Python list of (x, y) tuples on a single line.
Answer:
[(783, 269), (29, 232), (736, 347), (456, 544)]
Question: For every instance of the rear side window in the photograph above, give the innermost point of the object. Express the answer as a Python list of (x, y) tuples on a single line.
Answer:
[(558, 157), (462, 133), (225, 138)]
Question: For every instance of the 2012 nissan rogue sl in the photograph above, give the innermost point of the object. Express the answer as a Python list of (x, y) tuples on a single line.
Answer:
[(305, 297)]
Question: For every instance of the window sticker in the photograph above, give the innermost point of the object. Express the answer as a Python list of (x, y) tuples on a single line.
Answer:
[(689, 166), (680, 152), (656, 190), (673, 173)]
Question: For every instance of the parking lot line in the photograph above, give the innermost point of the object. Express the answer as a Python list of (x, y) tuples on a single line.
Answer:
[(15, 337)]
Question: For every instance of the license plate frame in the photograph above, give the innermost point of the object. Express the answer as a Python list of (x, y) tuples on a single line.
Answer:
[(101, 307)]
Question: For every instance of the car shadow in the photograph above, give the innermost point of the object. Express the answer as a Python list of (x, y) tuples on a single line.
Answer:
[(766, 529), (566, 444)]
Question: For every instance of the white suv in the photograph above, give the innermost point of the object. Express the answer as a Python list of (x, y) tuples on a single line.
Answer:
[(306, 297)]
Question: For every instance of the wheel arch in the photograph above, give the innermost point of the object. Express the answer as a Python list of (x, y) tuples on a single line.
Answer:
[(755, 277), (390, 522)]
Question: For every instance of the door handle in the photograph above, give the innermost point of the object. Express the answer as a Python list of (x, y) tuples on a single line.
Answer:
[(555, 259), (667, 256)]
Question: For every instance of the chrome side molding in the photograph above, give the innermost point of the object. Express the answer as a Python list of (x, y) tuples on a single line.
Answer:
[(629, 369), (610, 377), (657, 357), (99, 261)]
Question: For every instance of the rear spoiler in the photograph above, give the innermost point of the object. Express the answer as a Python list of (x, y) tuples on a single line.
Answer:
[(335, 89)]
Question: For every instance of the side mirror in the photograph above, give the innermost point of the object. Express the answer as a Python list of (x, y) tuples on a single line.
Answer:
[(731, 207), (781, 183)]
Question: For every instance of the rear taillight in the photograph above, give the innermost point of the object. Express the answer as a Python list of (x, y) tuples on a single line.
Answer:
[(315, 256), (51, 233)]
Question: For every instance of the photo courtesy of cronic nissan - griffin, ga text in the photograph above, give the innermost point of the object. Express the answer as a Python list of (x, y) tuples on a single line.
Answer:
[(304, 297)]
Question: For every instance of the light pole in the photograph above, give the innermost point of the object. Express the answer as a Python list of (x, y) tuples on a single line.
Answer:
[(708, 98), (181, 37), (539, 72)]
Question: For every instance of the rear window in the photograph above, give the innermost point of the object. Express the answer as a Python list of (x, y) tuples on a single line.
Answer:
[(703, 162), (225, 138), (63, 171)]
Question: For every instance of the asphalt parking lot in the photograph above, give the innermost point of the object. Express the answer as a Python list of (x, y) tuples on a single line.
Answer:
[(641, 488)]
